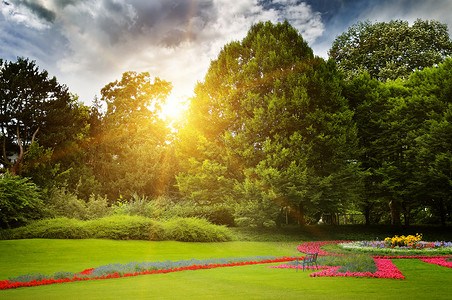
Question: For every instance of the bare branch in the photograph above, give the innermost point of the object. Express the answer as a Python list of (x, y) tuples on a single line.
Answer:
[(34, 135)]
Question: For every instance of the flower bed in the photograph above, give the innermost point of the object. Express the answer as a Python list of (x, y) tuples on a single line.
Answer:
[(440, 261), (385, 269), (313, 247), (136, 269), (379, 247)]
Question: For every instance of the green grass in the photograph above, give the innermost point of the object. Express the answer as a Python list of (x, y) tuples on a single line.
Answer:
[(45, 256), (20, 257)]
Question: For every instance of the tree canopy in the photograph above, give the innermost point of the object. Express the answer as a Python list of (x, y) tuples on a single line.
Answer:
[(274, 117), (391, 50), (35, 108)]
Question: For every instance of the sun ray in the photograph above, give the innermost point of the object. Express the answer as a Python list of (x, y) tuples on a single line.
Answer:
[(174, 107)]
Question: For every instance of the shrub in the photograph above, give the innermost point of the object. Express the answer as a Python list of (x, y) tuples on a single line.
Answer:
[(20, 201), (97, 207), (195, 230), (122, 228), (62, 203), (59, 228), (167, 208), (137, 206)]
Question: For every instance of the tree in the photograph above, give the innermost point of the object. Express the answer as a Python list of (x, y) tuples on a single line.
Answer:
[(402, 127), (20, 201), (391, 50), (268, 103), (390, 116), (432, 176), (35, 109), (369, 100), (130, 154)]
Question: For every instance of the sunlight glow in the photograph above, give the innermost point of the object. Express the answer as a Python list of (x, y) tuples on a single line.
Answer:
[(174, 107)]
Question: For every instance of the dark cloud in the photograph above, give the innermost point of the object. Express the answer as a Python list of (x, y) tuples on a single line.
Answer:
[(170, 22), (38, 10)]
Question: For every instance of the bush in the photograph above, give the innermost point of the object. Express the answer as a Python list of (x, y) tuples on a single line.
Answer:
[(195, 230), (137, 206), (167, 208), (20, 201), (62, 203), (122, 228), (60, 228), (97, 207)]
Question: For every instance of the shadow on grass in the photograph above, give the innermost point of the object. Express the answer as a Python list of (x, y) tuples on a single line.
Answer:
[(338, 232)]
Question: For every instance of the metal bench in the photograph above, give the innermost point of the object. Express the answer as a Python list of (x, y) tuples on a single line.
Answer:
[(309, 259)]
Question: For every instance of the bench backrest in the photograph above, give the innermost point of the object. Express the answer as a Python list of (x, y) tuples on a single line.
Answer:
[(310, 257)]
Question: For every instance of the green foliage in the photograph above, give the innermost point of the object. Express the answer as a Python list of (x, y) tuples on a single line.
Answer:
[(220, 214), (271, 115), (391, 50), (256, 207), (129, 144), (97, 207), (62, 203), (166, 208), (36, 107), (122, 228), (20, 201), (195, 230), (137, 206), (404, 144), (59, 228)]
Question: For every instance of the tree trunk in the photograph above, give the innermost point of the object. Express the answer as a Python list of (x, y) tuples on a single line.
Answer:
[(367, 215), (442, 213), (395, 212), (301, 219), (16, 167)]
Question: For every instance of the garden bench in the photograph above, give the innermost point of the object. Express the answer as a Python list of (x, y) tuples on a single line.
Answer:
[(309, 259)]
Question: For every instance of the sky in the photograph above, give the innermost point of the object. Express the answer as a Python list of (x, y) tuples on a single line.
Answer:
[(87, 44)]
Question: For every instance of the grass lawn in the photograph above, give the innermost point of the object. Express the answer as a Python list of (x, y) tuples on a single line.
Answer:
[(20, 257)]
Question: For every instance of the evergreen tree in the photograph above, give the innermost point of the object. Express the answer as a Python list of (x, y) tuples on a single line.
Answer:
[(268, 105)]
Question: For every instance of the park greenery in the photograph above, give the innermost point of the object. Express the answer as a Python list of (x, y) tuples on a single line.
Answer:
[(273, 135)]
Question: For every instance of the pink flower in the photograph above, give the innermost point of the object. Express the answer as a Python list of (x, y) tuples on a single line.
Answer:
[(438, 261), (312, 247)]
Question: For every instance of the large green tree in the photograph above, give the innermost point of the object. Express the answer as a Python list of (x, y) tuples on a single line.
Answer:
[(39, 118), (268, 105), (390, 115), (391, 50), (431, 182), (403, 142), (129, 148)]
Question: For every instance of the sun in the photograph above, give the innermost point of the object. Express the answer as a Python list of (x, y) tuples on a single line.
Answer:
[(174, 107)]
